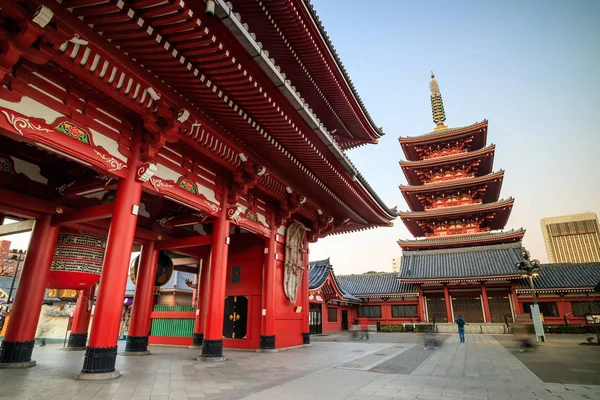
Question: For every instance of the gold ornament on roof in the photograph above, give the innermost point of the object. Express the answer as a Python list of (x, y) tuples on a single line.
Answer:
[(437, 105)]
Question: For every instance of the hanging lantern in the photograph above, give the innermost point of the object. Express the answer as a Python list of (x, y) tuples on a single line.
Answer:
[(164, 270), (77, 261)]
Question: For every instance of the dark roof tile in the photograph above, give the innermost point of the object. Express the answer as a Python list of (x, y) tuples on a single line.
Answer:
[(565, 276), (375, 284), (469, 262)]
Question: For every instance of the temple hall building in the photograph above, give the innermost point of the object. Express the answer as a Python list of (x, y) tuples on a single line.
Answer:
[(209, 136), (572, 238)]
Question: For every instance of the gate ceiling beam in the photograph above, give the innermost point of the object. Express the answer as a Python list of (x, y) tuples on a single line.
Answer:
[(93, 213), (192, 241)]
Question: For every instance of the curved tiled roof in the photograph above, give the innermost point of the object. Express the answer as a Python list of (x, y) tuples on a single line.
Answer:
[(442, 240), (458, 209), (375, 284), (565, 276), (449, 158), (465, 128), (494, 261), (318, 273), (453, 183)]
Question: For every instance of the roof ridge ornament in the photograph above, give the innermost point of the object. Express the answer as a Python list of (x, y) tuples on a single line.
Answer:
[(437, 104)]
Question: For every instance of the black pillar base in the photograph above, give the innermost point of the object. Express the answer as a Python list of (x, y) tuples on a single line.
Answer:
[(198, 338), (136, 344), (267, 342), (77, 340), (212, 349), (305, 338), (16, 352), (99, 360)]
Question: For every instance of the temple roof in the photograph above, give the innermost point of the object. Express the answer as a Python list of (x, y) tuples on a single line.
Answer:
[(478, 130), (486, 155), (318, 273), (447, 132), (6, 281), (566, 276), (455, 241), (177, 282), (471, 263), (492, 191), (500, 211), (366, 285)]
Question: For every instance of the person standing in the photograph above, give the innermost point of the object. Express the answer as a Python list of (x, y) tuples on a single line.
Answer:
[(460, 321), (365, 330)]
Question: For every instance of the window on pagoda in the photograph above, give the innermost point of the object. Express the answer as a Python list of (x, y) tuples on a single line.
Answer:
[(444, 149), (456, 228), (452, 200), (442, 175)]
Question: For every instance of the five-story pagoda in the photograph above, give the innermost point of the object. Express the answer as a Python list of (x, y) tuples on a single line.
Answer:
[(460, 261)]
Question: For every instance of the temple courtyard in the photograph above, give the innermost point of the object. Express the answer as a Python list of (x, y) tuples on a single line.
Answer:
[(388, 366)]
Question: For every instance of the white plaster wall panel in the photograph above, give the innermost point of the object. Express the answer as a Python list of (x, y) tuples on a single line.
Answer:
[(166, 173), (31, 108), (281, 230), (108, 144), (30, 170)]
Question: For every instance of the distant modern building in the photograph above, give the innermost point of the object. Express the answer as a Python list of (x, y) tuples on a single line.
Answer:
[(396, 262), (572, 238)]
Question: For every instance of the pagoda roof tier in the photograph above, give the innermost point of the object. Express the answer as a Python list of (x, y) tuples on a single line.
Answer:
[(240, 103), (482, 161), (457, 241), (478, 131), (496, 262), (493, 181), (496, 215), (293, 34)]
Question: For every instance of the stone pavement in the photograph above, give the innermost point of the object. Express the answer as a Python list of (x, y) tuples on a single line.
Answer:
[(480, 369)]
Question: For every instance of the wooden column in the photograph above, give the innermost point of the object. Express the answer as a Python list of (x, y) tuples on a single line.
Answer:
[(486, 306), (267, 336), (202, 304), (101, 353), (421, 305), (517, 305), (212, 345), (448, 304), (81, 319), (304, 294), (143, 302), (17, 345)]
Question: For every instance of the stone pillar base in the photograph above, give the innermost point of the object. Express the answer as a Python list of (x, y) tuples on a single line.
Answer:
[(74, 348), (25, 364), (134, 353), (77, 340), (197, 340), (212, 350), (306, 338), (267, 342), (99, 360), (98, 376), (137, 344), (16, 353)]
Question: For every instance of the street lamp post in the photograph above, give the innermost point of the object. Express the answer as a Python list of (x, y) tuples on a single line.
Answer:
[(530, 268)]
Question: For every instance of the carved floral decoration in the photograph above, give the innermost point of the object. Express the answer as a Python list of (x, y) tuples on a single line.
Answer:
[(75, 132)]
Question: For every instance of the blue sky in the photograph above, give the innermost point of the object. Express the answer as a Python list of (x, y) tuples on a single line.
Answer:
[(529, 67)]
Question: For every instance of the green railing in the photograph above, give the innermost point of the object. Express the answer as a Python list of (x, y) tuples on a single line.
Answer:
[(177, 327), (173, 327), (173, 308)]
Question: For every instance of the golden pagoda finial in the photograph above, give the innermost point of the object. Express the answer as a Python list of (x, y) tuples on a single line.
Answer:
[(437, 105)]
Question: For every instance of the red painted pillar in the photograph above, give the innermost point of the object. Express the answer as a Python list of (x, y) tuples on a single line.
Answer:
[(267, 337), (518, 306), (17, 345), (486, 306), (212, 345), (101, 353), (304, 297), (81, 319), (202, 305), (143, 301), (421, 308), (448, 304)]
